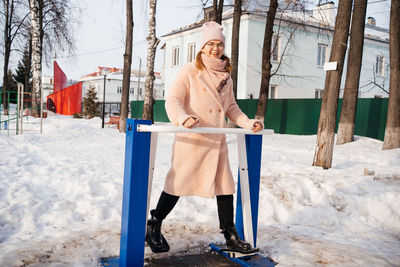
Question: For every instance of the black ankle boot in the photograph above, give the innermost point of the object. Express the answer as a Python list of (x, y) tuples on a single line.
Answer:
[(154, 238), (233, 241)]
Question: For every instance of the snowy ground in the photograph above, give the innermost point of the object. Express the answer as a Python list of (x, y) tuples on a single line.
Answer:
[(60, 200)]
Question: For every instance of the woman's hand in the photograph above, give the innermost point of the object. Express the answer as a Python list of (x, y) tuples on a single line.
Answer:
[(257, 127), (189, 123)]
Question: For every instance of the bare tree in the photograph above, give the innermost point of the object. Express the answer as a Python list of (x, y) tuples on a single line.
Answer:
[(12, 26), (237, 13), (152, 42), (266, 61), (8, 13), (127, 67), (55, 23), (392, 131), (58, 19), (36, 8), (327, 118), (218, 7), (345, 133)]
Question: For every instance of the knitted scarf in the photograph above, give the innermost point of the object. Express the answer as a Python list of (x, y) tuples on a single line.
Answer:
[(216, 70)]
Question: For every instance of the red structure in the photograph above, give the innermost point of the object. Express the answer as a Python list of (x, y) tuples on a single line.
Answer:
[(60, 79), (64, 100)]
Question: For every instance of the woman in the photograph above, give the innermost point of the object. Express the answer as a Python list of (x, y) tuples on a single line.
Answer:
[(202, 96)]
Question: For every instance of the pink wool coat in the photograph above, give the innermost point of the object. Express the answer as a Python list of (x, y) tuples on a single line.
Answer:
[(200, 163)]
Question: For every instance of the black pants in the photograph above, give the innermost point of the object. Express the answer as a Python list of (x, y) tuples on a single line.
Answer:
[(224, 202)]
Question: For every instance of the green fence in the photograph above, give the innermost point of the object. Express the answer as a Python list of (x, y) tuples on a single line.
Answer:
[(298, 116)]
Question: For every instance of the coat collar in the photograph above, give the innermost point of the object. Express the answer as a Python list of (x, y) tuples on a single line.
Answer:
[(205, 78)]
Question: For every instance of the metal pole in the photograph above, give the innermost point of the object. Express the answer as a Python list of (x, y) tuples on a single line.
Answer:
[(8, 112), (41, 107), (18, 107), (1, 105), (104, 101), (138, 89), (22, 105), (134, 199)]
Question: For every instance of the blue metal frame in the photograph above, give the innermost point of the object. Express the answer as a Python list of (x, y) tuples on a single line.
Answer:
[(134, 204), (246, 261), (253, 151)]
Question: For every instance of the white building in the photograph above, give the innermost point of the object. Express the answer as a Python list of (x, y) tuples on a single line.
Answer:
[(302, 41), (47, 87), (111, 80)]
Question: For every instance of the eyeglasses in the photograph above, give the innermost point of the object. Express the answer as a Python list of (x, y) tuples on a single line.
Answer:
[(211, 45)]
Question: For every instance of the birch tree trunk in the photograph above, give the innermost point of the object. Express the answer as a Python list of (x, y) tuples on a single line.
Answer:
[(36, 8), (126, 79), (28, 64), (345, 133), (152, 42), (266, 61), (327, 118), (392, 131), (237, 13)]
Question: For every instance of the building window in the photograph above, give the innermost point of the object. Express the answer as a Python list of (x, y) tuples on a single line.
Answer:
[(131, 90), (208, 13), (379, 65), (321, 56), (140, 91), (119, 89), (191, 52), (163, 93), (275, 47), (175, 56), (273, 91), (318, 93)]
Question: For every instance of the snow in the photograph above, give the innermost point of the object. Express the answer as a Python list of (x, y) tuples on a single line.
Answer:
[(61, 199)]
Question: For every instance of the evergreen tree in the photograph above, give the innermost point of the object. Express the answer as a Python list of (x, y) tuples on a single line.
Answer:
[(21, 70), (12, 88), (21, 74), (90, 103)]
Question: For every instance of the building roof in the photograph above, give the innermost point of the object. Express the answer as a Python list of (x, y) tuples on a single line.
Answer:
[(115, 73), (100, 71), (297, 16)]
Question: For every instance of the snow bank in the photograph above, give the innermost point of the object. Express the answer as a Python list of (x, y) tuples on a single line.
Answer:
[(61, 193)]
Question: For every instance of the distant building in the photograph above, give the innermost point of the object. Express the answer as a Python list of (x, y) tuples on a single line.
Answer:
[(47, 86), (111, 78), (301, 46), (66, 97)]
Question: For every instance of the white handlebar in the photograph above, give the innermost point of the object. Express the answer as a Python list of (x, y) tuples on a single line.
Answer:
[(209, 130)]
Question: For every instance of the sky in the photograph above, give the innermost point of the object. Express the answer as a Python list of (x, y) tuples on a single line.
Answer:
[(100, 35)]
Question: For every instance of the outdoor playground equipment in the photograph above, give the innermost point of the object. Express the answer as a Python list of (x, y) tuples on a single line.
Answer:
[(140, 152), (15, 115)]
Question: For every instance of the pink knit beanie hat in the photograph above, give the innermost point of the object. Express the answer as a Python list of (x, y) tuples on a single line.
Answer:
[(211, 31)]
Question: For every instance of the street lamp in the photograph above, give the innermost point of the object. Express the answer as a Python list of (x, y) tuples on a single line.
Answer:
[(138, 90), (105, 72)]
